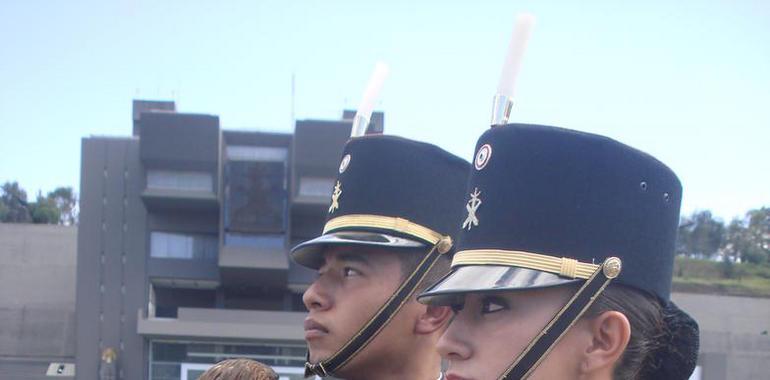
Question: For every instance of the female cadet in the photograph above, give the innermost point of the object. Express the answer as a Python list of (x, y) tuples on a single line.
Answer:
[(563, 268)]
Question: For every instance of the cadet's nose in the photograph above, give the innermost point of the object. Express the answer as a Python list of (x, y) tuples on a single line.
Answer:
[(316, 298)]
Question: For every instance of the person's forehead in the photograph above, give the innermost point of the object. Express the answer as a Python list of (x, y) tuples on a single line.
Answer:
[(359, 253), (532, 296)]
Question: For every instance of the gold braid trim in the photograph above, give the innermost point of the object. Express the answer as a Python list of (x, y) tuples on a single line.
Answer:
[(399, 225), (557, 265)]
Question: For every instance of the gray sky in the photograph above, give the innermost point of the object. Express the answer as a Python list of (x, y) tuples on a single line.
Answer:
[(687, 81)]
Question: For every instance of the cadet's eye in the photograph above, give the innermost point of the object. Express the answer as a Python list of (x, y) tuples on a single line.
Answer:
[(457, 307), (349, 272), (493, 304)]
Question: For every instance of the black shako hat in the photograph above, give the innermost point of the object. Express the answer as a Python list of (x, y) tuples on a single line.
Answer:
[(393, 192), (547, 206)]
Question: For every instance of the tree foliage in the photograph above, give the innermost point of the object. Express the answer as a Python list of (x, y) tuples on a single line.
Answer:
[(15, 208), (700, 234), (44, 211), (57, 207), (742, 240), (66, 202)]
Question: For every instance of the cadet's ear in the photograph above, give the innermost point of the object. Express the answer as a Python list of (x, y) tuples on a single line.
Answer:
[(611, 332), (432, 319)]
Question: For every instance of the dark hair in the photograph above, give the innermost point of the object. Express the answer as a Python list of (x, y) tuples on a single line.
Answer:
[(239, 369), (411, 257), (664, 340)]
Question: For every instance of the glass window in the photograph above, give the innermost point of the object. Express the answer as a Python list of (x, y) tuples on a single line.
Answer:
[(179, 180), (256, 153), (169, 300), (317, 187), (183, 246), (257, 241), (255, 197)]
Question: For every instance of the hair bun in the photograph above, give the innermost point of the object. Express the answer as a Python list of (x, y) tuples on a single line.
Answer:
[(677, 353)]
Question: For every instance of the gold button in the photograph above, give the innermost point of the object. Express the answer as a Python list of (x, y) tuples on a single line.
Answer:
[(612, 267)]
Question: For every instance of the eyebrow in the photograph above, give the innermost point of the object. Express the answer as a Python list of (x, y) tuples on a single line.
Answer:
[(353, 257)]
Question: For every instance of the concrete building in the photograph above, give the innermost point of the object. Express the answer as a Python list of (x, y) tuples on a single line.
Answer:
[(37, 301), (183, 241), (734, 340)]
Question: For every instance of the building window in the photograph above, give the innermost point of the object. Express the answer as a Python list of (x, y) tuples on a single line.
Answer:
[(255, 241), (166, 245), (179, 180), (255, 190), (256, 153), (315, 187), (169, 300)]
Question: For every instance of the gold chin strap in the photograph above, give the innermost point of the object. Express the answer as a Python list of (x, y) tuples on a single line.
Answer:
[(546, 340), (382, 317)]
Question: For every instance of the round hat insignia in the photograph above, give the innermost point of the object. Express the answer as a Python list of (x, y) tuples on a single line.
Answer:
[(482, 156), (344, 164)]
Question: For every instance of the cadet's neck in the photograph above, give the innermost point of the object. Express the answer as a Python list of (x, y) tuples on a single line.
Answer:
[(416, 364)]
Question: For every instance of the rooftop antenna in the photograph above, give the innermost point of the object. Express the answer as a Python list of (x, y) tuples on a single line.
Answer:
[(503, 101), (293, 120), (372, 92)]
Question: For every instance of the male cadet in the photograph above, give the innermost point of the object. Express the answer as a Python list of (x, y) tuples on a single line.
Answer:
[(386, 237)]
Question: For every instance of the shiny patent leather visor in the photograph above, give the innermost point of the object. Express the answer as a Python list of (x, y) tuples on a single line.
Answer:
[(462, 280), (308, 253)]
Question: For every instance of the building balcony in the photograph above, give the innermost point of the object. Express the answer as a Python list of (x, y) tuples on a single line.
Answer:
[(218, 324), (155, 199), (253, 260)]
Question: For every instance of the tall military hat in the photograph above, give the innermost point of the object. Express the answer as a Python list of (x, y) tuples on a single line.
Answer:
[(390, 192), (547, 207)]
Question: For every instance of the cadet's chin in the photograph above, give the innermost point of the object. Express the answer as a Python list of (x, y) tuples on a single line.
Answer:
[(318, 354)]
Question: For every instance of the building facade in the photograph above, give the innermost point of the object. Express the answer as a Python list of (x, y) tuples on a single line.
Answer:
[(183, 243), (37, 301)]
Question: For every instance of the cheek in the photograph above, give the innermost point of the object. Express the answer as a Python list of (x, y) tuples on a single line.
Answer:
[(499, 344), (495, 345), (358, 304), (564, 360)]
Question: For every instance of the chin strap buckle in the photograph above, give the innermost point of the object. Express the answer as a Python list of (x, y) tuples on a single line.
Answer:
[(315, 369)]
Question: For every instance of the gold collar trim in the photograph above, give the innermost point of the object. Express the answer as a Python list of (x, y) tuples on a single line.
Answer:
[(399, 225), (562, 266)]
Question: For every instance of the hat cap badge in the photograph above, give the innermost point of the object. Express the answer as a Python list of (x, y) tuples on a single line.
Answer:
[(344, 163), (335, 197), (482, 157), (472, 206)]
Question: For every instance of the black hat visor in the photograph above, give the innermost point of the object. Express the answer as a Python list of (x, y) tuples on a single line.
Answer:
[(462, 280), (308, 254)]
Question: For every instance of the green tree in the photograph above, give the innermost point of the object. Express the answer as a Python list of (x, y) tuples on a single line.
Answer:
[(66, 202), (15, 207), (736, 241), (684, 237), (44, 211), (3, 211), (758, 231), (700, 235), (58, 207), (749, 238)]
